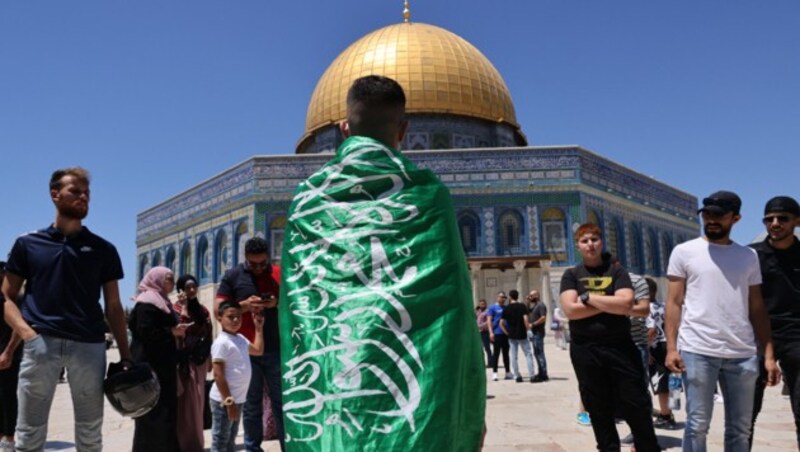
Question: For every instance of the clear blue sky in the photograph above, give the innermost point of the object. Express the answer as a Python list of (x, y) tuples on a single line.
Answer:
[(154, 97)]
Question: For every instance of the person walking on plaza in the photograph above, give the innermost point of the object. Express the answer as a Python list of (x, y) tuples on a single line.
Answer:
[(10, 357), (255, 285), (155, 332), (194, 350), (65, 267), (498, 337), (538, 319), (779, 257), (597, 297), (658, 354), (483, 328), (232, 372), (515, 325), (714, 315)]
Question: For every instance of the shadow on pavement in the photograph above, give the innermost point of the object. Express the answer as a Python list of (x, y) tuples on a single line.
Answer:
[(58, 445)]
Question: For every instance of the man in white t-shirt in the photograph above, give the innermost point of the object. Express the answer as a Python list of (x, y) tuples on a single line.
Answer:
[(714, 295)]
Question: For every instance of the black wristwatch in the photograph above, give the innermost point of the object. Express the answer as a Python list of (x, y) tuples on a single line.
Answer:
[(584, 297)]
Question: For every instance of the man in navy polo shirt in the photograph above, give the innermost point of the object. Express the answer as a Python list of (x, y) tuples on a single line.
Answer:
[(255, 285), (64, 267)]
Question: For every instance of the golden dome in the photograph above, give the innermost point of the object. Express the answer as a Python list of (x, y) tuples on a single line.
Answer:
[(439, 71)]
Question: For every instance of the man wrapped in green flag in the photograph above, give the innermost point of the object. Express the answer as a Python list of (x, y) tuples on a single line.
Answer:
[(381, 349)]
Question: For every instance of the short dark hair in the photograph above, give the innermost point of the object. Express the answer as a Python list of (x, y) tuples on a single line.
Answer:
[(513, 294), (226, 305), (256, 245), (375, 105), (76, 171)]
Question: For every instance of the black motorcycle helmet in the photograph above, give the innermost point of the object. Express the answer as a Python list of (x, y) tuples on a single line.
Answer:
[(133, 391)]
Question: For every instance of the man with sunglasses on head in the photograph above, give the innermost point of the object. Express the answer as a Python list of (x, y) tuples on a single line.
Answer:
[(255, 285), (714, 315), (779, 255)]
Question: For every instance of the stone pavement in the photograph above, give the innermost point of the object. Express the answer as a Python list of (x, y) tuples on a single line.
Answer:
[(520, 417)]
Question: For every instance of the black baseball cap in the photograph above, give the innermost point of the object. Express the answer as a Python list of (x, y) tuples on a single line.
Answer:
[(782, 204), (721, 202)]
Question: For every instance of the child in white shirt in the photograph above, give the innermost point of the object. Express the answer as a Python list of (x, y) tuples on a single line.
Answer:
[(231, 364)]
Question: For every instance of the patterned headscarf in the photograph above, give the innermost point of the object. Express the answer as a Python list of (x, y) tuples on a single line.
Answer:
[(151, 289)]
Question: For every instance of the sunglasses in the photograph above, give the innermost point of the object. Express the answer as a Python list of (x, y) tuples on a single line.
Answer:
[(781, 219), (262, 264)]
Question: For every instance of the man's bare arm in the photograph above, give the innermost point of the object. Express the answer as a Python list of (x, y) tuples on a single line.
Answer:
[(116, 318), (13, 317), (620, 303), (676, 290), (641, 308), (761, 327), (573, 308)]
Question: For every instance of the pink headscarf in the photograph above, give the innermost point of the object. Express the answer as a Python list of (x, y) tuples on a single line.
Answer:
[(151, 289)]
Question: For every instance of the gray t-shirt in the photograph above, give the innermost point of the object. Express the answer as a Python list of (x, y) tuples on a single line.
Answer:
[(538, 311)]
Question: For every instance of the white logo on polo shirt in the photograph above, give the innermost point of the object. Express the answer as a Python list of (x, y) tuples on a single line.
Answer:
[(86, 249)]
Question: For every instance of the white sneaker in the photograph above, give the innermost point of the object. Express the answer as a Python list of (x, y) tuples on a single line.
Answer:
[(494, 376), (510, 376)]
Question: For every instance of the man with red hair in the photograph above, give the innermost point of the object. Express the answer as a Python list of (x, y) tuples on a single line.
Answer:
[(597, 297)]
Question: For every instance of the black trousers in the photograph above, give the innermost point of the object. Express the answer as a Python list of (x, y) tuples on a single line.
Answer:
[(788, 356), (610, 381), (8, 399), (487, 346), (501, 346)]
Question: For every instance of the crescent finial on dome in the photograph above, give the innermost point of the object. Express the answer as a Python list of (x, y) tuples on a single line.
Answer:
[(406, 12)]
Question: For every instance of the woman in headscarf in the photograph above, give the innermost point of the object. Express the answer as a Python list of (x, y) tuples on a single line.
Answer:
[(156, 332), (193, 365)]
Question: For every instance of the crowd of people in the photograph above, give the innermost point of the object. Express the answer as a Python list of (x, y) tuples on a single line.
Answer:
[(731, 317)]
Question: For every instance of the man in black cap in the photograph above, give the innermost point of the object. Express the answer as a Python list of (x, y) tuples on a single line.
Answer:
[(779, 255), (714, 295)]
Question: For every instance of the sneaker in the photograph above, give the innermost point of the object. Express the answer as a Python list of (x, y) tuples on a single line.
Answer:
[(510, 376), (666, 421), (584, 419), (627, 440), (519, 379), (494, 376), (545, 378)]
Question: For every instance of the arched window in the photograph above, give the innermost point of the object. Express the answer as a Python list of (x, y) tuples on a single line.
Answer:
[(468, 225), (142, 266), (554, 232), (186, 258), (203, 259), (170, 262), (612, 240), (593, 218), (509, 233), (220, 254), (156, 259), (276, 229), (651, 252), (634, 263), (240, 238), (666, 250)]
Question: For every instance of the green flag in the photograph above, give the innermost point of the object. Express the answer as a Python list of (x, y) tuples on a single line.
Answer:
[(380, 348)]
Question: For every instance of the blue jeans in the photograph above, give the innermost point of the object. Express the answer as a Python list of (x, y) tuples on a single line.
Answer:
[(526, 349), (223, 429), (265, 368), (538, 352), (737, 379), (42, 360)]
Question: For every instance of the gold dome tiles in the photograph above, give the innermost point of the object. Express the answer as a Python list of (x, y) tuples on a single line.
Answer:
[(440, 72)]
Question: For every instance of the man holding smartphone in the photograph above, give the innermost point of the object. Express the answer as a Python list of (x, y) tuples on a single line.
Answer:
[(255, 285)]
